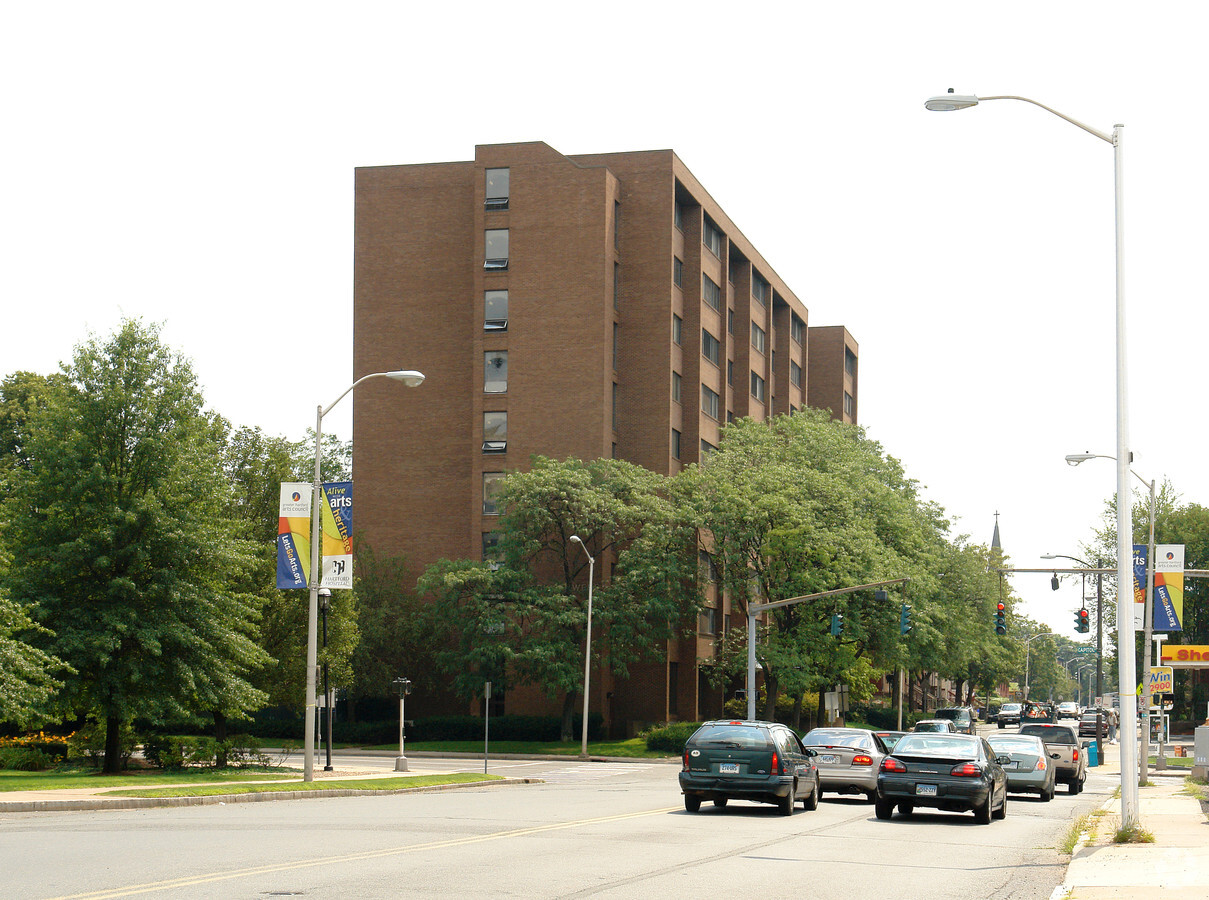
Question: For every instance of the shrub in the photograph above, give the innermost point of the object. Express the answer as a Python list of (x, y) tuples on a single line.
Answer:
[(88, 742), (184, 751), (671, 737), (25, 759), (51, 745)]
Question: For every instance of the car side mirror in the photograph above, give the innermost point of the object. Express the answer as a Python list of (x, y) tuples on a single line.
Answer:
[(1086, 745), (1003, 760), (811, 752)]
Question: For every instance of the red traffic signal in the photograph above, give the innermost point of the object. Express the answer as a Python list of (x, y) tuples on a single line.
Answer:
[(1082, 622), (1000, 618)]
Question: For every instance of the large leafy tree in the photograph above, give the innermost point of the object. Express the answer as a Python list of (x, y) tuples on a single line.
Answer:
[(522, 618), (122, 544)]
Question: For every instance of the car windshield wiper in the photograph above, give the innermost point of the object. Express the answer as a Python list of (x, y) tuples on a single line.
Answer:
[(735, 744)]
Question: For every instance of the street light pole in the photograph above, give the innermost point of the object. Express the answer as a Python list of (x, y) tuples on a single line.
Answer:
[(583, 748), (410, 378), (325, 600), (1126, 667)]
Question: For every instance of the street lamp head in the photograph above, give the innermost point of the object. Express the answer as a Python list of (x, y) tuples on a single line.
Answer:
[(575, 539), (409, 377), (951, 101), (1073, 459), (325, 596)]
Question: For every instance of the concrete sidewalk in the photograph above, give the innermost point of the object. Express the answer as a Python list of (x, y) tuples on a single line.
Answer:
[(1175, 866)]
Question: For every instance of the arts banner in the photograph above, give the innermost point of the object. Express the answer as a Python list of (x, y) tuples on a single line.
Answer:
[(337, 554), (1139, 585), (293, 535), (1168, 587)]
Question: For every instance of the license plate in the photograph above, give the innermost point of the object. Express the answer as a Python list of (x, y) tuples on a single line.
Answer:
[(728, 769), (925, 790), (829, 760)]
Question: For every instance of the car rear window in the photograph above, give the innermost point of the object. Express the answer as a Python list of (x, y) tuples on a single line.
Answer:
[(832, 738), (1013, 744), (948, 745), (731, 735), (1050, 734)]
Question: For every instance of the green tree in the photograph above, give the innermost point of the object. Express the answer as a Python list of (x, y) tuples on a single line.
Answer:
[(121, 543)]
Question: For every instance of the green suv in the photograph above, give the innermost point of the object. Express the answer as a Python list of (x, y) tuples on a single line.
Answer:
[(764, 762)]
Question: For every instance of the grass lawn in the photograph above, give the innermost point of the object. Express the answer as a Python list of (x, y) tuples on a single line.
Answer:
[(91, 778), (389, 783), (634, 748)]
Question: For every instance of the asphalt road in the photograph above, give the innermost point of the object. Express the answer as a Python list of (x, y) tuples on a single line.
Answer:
[(602, 829)]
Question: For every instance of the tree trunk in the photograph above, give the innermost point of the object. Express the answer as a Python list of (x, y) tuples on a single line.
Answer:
[(113, 751), (796, 719), (564, 732), (220, 737), (770, 697), (822, 708)]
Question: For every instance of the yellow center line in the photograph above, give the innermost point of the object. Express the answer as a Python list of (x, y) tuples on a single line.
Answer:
[(153, 886)]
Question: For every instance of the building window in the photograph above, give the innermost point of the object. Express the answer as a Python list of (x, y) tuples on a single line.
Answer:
[(758, 337), (495, 249), (495, 372), (614, 405), (707, 621), (495, 310), (495, 432), (616, 225), (796, 329), (757, 387), (730, 372), (616, 328), (850, 363), (497, 189), (706, 570), (675, 444), (849, 405), (709, 402), (491, 487), (710, 347), (710, 292), (712, 238), (616, 286), (678, 216), (759, 289), (491, 549), (677, 271), (676, 387), (732, 266), (795, 374), (677, 325), (730, 321), (706, 449)]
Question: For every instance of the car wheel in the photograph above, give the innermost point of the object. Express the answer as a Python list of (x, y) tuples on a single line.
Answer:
[(720, 801), (871, 796), (1080, 784), (692, 804), (1002, 813), (905, 808), (982, 814), (785, 804), (1072, 787), (883, 808), (1001, 725), (1047, 794), (811, 800)]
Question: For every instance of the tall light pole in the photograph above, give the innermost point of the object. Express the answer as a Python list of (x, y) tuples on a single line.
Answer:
[(583, 748), (1074, 459), (1126, 668), (325, 600), (410, 378)]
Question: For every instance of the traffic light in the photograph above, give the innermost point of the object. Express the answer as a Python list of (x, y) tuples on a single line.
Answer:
[(1081, 622), (1000, 618), (837, 624), (904, 619)]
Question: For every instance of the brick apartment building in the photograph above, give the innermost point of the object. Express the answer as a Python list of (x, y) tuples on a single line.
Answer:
[(589, 306)]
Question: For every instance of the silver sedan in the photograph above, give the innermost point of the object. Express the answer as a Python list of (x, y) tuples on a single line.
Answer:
[(1030, 771), (848, 760)]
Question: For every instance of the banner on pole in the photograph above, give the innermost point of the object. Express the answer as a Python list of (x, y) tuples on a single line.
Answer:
[(1168, 587), (293, 530), (337, 514), (1139, 585)]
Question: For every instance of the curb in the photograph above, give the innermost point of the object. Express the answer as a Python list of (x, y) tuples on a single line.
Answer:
[(95, 803)]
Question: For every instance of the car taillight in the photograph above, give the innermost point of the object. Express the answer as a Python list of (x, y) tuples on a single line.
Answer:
[(685, 768), (1040, 767), (890, 764), (1075, 755), (967, 770), (776, 763), (862, 759)]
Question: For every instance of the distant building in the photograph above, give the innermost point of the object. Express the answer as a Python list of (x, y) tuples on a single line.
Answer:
[(590, 306)]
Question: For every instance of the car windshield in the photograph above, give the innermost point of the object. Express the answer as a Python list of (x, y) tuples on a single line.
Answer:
[(731, 736), (829, 737), (1010, 708), (956, 715), (946, 745), (931, 726)]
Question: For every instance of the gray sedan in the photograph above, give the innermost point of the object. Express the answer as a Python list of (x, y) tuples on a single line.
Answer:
[(1030, 771), (848, 759)]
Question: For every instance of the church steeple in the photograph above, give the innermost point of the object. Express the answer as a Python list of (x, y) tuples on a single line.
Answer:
[(995, 542)]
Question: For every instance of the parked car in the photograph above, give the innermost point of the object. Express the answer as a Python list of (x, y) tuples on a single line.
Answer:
[(1068, 710), (935, 725), (951, 772), (962, 717), (889, 738), (1066, 755), (991, 714), (1029, 771), (848, 759), (1087, 722), (1009, 714), (743, 760)]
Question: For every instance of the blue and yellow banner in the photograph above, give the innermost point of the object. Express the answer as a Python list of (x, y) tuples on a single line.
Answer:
[(1168, 587), (1139, 585), (337, 512), (293, 535)]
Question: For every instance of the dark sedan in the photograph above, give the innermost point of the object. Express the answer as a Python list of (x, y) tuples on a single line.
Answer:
[(950, 772)]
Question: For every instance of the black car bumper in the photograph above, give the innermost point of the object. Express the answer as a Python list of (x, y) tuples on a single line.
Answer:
[(762, 789), (957, 795)]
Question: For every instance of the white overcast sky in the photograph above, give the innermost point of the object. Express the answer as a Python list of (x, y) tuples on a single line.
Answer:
[(192, 164)]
